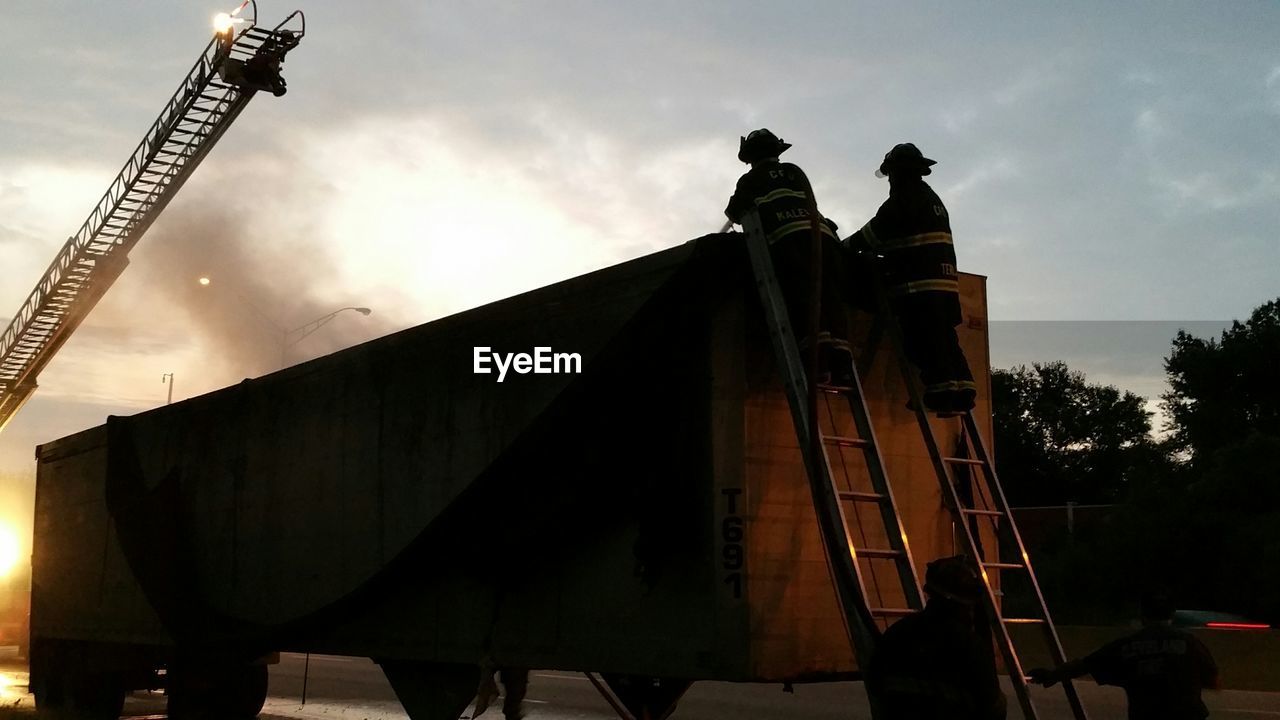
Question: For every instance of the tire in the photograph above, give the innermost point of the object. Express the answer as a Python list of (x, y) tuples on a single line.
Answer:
[(217, 693), (79, 696), (49, 694), (95, 697), (248, 693)]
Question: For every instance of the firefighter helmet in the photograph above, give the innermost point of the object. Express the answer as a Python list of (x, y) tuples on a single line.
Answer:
[(905, 156), (953, 579), (760, 144)]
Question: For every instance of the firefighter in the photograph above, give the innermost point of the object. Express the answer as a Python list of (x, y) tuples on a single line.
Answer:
[(939, 662), (1162, 670), (515, 681), (912, 233), (782, 195)]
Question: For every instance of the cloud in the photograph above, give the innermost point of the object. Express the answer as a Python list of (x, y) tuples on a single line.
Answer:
[(41, 204), (1216, 191), (1273, 84), (1151, 127), (959, 119), (993, 170)]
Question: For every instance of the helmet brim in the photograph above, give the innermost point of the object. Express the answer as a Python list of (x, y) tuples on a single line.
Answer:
[(925, 167), (750, 154)]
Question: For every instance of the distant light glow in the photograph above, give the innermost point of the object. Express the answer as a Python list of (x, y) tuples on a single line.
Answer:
[(204, 281), (1237, 626), (10, 551)]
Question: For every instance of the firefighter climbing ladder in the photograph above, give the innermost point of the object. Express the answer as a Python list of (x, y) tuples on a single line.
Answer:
[(988, 502), (193, 120), (985, 501), (848, 560)]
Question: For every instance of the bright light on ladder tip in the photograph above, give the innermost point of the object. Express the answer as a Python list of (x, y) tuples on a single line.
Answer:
[(222, 22)]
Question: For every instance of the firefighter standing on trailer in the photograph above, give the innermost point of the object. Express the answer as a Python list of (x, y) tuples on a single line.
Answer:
[(1162, 670), (912, 232), (782, 195), (938, 664)]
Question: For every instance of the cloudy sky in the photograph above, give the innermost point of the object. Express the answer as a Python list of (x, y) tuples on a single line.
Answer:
[(1102, 162)]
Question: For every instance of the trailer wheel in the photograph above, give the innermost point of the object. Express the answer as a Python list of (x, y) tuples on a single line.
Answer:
[(235, 692), (247, 693), (94, 696), (47, 679), (49, 695), (79, 696)]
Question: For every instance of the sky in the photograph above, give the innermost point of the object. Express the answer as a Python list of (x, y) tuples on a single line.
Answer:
[(1100, 161)]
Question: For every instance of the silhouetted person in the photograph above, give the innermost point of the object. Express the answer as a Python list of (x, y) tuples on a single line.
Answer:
[(515, 683), (912, 232), (1162, 670), (938, 663), (782, 195), (262, 70)]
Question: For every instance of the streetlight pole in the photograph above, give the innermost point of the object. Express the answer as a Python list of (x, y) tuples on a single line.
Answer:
[(305, 330), (167, 379), (287, 337), (287, 340)]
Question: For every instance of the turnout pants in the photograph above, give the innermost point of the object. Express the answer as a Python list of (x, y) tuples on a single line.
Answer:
[(791, 262), (928, 322)]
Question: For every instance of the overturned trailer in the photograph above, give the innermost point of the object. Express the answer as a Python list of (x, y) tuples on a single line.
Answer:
[(646, 517)]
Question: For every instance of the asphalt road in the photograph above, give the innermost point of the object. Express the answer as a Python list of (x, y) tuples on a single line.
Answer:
[(354, 689)]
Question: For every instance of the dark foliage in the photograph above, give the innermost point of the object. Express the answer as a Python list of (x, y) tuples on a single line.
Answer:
[(1061, 439), (1222, 391)]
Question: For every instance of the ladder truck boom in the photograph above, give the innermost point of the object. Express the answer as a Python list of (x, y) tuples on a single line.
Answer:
[(241, 59)]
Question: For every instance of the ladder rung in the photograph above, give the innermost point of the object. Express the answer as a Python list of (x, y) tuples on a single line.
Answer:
[(893, 612), (976, 511), (1003, 566), (1023, 621), (835, 389), (843, 441), (963, 461), (860, 496), (877, 553)]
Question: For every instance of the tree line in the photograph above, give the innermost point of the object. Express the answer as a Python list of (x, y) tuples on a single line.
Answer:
[(1195, 509)]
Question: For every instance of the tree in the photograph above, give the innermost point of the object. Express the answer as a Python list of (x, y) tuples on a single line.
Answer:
[(1059, 438), (1223, 503), (1222, 391)]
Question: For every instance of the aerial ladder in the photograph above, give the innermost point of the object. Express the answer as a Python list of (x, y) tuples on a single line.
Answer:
[(241, 59), (971, 492)]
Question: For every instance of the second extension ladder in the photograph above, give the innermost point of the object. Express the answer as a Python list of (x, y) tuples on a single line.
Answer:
[(972, 493)]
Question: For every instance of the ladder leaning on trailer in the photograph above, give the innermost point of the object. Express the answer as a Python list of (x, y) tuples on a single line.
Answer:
[(240, 60), (842, 528)]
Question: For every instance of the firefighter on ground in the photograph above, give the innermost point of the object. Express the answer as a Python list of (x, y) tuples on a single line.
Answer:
[(515, 683), (912, 233), (782, 195), (939, 662), (1162, 670)]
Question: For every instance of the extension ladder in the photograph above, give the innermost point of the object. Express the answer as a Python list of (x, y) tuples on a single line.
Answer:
[(841, 508), (984, 500), (863, 621)]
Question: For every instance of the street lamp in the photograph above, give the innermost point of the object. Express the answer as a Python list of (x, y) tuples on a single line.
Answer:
[(289, 338), (304, 330)]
